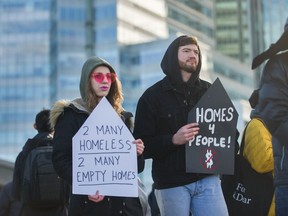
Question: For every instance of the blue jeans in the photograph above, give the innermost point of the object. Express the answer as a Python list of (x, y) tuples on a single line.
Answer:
[(281, 200), (201, 198)]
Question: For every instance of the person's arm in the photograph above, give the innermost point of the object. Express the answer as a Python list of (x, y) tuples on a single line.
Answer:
[(156, 145), (140, 159), (18, 176), (65, 129), (258, 147), (4, 201)]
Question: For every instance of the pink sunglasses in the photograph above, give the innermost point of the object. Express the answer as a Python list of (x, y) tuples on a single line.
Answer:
[(99, 77)]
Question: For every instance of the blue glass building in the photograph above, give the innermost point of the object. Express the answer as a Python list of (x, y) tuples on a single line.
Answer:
[(44, 43), (27, 83)]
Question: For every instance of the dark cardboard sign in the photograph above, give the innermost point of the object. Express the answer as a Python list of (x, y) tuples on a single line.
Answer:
[(212, 150)]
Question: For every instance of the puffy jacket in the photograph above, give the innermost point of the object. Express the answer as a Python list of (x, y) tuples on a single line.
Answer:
[(273, 107), (258, 151)]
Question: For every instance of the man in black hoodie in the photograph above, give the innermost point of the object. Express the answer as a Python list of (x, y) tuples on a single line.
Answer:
[(161, 122)]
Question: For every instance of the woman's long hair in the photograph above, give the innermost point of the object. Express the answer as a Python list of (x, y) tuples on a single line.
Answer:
[(115, 96)]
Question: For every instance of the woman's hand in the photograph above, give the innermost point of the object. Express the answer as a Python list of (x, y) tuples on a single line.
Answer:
[(96, 198), (139, 146)]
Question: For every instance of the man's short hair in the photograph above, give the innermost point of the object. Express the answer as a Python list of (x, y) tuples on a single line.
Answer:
[(188, 40), (42, 121)]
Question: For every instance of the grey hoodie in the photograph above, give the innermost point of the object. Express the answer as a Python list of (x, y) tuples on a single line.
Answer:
[(90, 64), (79, 103)]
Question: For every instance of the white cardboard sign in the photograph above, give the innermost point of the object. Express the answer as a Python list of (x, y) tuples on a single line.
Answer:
[(104, 157)]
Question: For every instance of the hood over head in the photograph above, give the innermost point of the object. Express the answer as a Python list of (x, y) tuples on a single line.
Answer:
[(90, 64), (280, 45), (170, 63)]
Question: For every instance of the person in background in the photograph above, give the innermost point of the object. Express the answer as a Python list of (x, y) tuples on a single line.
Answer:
[(273, 107), (8, 205), (98, 80), (45, 132), (161, 122)]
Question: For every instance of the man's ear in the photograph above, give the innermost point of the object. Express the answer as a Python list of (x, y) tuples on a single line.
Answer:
[(35, 126)]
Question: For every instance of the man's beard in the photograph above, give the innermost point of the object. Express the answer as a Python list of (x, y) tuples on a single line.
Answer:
[(189, 69)]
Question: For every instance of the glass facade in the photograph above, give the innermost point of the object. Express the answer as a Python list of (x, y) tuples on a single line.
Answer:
[(232, 29), (186, 20), (192, 17), (246, 28), (70, 44), (24, 70), (138, 22), (43, 46), (200, 6), (275, 15), (44, 43)]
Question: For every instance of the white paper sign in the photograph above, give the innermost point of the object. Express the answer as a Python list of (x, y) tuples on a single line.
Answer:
[(104, 157)]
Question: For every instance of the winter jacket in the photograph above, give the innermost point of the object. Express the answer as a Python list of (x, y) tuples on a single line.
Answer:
[(161, 111), (258, 150), (273, 106), (18, 176)]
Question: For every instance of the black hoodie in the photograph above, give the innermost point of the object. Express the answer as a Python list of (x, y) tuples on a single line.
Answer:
[(161, 111)]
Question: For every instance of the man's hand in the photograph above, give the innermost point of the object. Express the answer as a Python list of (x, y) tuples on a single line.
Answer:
[(185, 134)]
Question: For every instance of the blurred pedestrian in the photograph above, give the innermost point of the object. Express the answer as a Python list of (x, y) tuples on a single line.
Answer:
[(8, 205), (28, 189), (273, 107)]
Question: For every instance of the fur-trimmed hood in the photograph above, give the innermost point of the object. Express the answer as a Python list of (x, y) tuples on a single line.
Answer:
[(79, 105), (59, 106)]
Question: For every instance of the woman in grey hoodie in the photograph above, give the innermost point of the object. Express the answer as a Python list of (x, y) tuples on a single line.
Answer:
[(98, 80)]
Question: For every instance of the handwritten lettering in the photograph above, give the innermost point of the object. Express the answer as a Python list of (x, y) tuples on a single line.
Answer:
[(108, 129), (104, 145), (214, 115), (90, 176), (107, 160), (123, 175), (208, 141)]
